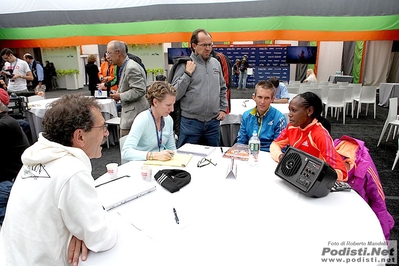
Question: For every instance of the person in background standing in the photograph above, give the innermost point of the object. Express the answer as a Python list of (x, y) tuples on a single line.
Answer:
[(17, 71), (53, 74), (47, 76), (242, 82), (236, 70), (3, 79), (131, 85), (108, 76), (37, 72), (202, 93), (92, 72)]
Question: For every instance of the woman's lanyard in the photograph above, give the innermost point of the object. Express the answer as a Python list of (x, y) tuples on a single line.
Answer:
[(159, 136), (122, 67)]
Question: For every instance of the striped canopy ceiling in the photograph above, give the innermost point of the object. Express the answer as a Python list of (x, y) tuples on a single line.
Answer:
[(49, 23)]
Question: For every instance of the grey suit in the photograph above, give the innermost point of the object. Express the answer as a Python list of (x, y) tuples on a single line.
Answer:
[(132, 87)]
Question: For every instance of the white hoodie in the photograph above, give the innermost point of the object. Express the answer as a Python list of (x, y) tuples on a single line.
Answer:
[(52, 199)]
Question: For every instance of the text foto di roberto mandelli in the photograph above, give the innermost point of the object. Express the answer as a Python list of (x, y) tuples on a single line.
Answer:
[(355, 251), (357, 243)]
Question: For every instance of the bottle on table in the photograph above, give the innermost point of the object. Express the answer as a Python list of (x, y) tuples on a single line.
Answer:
[(254, 147)]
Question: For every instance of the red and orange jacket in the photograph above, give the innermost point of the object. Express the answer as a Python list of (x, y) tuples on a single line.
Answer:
[(107, 75), (314, 140)]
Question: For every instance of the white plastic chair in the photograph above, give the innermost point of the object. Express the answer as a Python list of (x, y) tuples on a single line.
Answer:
[(324, 92), (317, 91), (356, 89), (315, 85), (250, 72), (229, 128), (293, 89), (397, 157), (336, 99), (391, 121), (303, 88), (115, 121), (367, 96), (349, 98)]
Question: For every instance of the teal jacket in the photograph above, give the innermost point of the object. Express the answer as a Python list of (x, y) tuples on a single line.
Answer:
[(271, 124)]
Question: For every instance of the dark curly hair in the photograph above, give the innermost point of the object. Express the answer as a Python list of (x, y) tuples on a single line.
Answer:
[(158, 90), (67, 114)]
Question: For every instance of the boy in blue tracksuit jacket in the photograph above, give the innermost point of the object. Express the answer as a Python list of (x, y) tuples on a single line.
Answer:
[(264, 119)]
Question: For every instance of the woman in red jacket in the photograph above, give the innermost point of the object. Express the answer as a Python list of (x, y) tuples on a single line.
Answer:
[(306, 132), (108, 76)]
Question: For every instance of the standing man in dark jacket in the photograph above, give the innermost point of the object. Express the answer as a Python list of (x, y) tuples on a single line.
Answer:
[(37, 72), (47, 76)]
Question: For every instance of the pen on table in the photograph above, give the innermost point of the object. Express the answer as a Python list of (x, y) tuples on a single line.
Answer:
[(171, 153), (221, 149), (176, 218), (112, 180)]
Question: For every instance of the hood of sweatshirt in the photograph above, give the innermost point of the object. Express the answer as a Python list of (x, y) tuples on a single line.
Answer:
[(45, 151)]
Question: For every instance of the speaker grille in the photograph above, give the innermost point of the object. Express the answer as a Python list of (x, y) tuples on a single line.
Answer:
[(291, 164)]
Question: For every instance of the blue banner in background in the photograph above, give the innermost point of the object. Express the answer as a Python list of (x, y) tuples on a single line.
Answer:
[(266, 62)]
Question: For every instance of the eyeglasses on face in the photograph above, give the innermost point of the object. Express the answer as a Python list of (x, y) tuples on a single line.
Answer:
[(210, 45), (204, 162), (108, 53), (104, 127)]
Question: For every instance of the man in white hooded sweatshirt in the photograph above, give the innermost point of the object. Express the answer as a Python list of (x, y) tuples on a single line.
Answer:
[(53, 204)]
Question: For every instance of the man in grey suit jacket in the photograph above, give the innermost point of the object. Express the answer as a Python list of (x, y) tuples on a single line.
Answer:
[(131, 85)]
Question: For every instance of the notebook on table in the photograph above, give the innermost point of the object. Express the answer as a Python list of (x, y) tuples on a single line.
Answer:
[(178, 160), (196, 149), (119, 191)]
